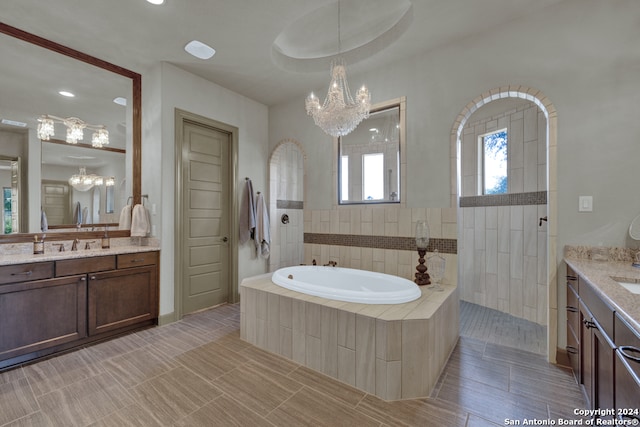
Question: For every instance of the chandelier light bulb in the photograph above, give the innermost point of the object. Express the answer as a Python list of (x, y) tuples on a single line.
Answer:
[(45, 128)]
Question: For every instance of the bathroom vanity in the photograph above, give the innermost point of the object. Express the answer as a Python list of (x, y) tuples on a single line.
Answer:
[(50, 303), (603, 335)]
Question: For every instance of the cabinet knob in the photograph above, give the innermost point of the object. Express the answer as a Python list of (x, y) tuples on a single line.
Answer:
[(572, 349), (83, 279), (589, 324), (93, 277)]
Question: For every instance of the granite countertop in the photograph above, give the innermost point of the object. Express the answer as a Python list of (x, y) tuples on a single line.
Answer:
[(599, 275), (52, 254)]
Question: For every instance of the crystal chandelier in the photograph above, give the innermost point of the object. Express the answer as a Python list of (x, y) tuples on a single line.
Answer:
[(340, 113), (75, 130)]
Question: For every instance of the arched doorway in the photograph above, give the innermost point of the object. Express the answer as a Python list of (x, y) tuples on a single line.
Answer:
[(286, 190), (549, 111)]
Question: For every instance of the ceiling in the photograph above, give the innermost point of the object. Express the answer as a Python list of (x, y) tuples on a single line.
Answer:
[(138, 35)]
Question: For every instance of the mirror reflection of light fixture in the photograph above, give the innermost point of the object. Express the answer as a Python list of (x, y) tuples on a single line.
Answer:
[(75, 130), (83, 182), (340, 113)]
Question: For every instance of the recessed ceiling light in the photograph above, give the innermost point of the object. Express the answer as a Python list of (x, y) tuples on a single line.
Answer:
[(199, 49), (14, 123), (156, 1), (120, 101), (66, 93)]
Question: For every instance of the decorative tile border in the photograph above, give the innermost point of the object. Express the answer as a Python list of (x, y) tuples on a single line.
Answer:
[(514, 199), (445, 246), (289, 204)]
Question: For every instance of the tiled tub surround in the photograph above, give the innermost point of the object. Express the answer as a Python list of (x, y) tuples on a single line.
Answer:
[(392, 351), (502, 248), (367, 237)]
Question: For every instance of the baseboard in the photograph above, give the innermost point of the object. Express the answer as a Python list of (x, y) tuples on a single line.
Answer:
[(562, 358), (165, 319)]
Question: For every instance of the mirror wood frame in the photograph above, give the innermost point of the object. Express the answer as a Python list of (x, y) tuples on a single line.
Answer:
[(136, 79)]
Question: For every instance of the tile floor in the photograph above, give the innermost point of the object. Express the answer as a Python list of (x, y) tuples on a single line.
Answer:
[(197, 372)]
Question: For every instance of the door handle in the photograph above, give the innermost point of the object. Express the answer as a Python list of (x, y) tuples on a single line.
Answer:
[(225, 239)]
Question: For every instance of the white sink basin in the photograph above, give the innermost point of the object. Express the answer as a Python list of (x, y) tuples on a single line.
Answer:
[(632, 287)]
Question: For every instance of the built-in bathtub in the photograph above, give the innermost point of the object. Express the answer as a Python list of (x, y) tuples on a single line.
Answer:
[(347, 284), (394, 351)]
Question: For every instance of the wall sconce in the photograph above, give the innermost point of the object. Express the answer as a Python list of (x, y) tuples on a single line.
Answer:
[(422, 242), (75, 130)]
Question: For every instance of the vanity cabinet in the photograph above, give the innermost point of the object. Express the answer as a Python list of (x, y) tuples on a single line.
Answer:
[(51, 306), (591, 347), (38, 314), (573, 324), (627, 370), (124, 297)]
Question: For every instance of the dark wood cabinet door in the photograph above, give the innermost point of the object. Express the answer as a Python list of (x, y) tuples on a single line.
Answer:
[(603, 371), (122, 298), (586, 353), (627, 388), (40, 314)]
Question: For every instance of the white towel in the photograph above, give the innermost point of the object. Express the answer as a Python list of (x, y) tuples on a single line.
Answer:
[(44, 223), (125, 218), (262, 236), (140, 224), (247, 213)]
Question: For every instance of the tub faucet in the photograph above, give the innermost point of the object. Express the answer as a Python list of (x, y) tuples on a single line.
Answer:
[(331, 264), (314, 262)]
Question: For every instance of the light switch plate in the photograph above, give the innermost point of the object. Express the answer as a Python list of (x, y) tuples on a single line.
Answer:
[(585, 204)]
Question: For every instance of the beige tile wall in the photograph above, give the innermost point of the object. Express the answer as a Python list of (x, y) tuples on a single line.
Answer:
[(503, 249), (382, 220)]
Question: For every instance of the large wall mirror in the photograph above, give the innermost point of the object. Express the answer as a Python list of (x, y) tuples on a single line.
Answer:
[(34, 174), (369, 158)]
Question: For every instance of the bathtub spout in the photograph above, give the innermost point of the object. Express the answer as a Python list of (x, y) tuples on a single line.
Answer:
[(331, 264), (313, 262)]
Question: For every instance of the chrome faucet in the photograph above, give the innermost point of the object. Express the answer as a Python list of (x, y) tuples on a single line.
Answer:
[(74, 246), (60, 246)]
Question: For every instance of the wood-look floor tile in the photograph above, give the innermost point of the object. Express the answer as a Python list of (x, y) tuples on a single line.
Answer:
[(555, 383), (493, 373), (489, 402), (231, 339), (262, 390), (175, 394), (413, 412), (274, 362), (36, 419), (61, 371), (116, 347), (211, 360), (475, 421), (177, 338), (312, 408), (224, 412), (16, 400), (85, 402), (132, 415), (340, 391), (137, 366), (11, 375), (515, 356)]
